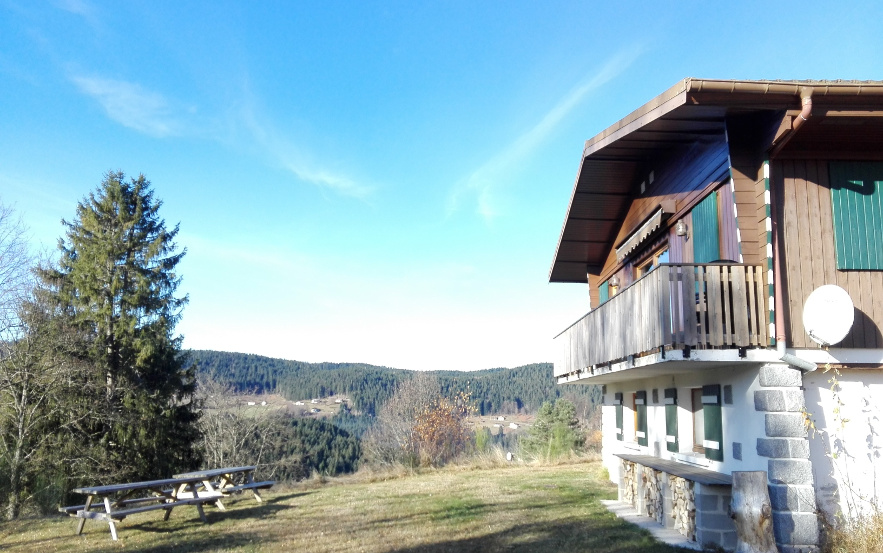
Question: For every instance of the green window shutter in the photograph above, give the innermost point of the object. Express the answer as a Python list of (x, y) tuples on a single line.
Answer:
[(857, 203), (714, 428), (618, 401), (671, 419), (603, 292), (706, 233), (641, 408)]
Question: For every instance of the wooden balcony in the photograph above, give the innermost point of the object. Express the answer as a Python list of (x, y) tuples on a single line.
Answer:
[(675, 306)]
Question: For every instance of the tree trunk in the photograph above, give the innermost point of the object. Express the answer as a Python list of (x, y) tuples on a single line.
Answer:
[(753, 513)]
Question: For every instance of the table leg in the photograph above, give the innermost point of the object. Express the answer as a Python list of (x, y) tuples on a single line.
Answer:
[(211, 490), (175, 492), (249, 478), (198, 505), (82, 521), (110, 522)]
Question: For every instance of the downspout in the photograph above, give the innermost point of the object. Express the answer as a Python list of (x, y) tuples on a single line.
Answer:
[(781, 343), (797, 122)]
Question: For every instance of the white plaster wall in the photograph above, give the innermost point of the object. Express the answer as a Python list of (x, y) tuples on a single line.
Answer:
[(741, 423), (846, 449)]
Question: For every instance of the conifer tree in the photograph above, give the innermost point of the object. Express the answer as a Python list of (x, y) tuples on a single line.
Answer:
[(116, 279)]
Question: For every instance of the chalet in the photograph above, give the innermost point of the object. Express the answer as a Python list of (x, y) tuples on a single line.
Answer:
[(702, 223)]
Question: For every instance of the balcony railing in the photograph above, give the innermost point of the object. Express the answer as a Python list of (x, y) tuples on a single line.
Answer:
[(675, 305)]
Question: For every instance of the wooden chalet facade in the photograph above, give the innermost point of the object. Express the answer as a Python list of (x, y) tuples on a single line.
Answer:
[(702, 222)]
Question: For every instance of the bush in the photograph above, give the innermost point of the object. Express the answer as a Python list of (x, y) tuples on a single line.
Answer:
[(555, 432)]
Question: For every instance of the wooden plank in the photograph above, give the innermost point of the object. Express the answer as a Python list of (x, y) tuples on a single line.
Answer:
[(803, 270), (212, 473), (726, 303), (741, 307), (712, 300), (693, 310), (701, 312), (663, 284)]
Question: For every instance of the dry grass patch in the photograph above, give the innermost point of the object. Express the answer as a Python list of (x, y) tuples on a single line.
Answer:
[(528, 508), (863, 535)]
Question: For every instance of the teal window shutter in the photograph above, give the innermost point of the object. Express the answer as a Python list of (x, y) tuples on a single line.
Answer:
[(671, 419), (706, 231), (857, 203), (618, 401), (714, 428), (603, 292), (641, 409)]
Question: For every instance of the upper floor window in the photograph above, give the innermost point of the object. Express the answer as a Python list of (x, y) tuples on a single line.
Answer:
[(651, 262), (857, 203)]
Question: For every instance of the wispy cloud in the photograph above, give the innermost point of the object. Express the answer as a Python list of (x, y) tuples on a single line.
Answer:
[(298, 162), (131, 105), (78, 7), (487, 180)]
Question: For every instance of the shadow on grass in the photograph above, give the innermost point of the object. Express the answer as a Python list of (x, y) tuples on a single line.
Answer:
[(602, 536)]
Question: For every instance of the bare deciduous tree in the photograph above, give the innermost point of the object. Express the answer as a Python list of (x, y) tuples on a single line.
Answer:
[(38, 371), (16, 264), (418, 426)]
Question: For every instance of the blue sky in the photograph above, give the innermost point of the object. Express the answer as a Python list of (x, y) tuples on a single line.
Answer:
[(379, 182)]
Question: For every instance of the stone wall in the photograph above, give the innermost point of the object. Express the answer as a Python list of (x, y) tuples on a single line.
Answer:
[(789, 472), (714, 527), (683, 507), (651, 485), (628, 487)]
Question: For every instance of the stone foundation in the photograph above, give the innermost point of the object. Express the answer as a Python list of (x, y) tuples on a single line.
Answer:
[(698, 511), (651, 483), (683, 508)]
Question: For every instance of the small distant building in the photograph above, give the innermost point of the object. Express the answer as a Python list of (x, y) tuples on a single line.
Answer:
[(299, 403), (264, 403), (337, 401), (314, 410), (513, 426), (497, 425), (314, 401), (251, 403), (501, 418)]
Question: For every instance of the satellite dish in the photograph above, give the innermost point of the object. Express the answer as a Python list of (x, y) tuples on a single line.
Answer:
[(828, 314)]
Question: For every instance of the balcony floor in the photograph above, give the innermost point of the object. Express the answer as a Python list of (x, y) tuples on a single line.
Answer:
[(674, 362)]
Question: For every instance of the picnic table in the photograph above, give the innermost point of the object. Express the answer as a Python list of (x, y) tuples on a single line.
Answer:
[(222, 482), (196, 488)]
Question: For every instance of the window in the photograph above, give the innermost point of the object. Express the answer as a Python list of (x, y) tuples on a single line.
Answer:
[(659, 256), (671, 418), (604, 292), (617, 401), (641, 417), (857, 204), (698, 420)]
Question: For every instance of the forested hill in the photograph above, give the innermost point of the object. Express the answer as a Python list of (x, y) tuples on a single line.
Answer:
[(369, 386)]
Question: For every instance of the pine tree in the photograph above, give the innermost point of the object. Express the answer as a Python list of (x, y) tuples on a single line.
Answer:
[(116, 279)]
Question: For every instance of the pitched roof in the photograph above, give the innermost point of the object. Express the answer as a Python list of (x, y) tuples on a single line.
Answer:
[(692, 110)]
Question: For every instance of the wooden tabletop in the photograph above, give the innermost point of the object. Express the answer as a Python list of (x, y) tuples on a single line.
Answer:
[(146, 485), (214, 472)]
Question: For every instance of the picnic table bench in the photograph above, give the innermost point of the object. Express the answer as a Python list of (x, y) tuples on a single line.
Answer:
[(196, 488)]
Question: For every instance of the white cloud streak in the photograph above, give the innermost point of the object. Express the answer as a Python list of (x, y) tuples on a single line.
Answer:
[(131, 105), (294, 160), (486, 181)]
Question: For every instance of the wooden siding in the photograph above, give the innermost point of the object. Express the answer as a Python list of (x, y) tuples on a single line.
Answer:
[(701, 306), (682, 176), (805, 231), (729, 231)]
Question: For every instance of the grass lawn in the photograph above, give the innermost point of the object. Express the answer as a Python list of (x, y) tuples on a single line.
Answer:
[(523, 508)]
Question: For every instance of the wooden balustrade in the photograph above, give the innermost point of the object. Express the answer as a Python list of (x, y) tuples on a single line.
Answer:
[(675, 305)]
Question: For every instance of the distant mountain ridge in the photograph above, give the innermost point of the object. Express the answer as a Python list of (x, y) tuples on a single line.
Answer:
[(498, 390)]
